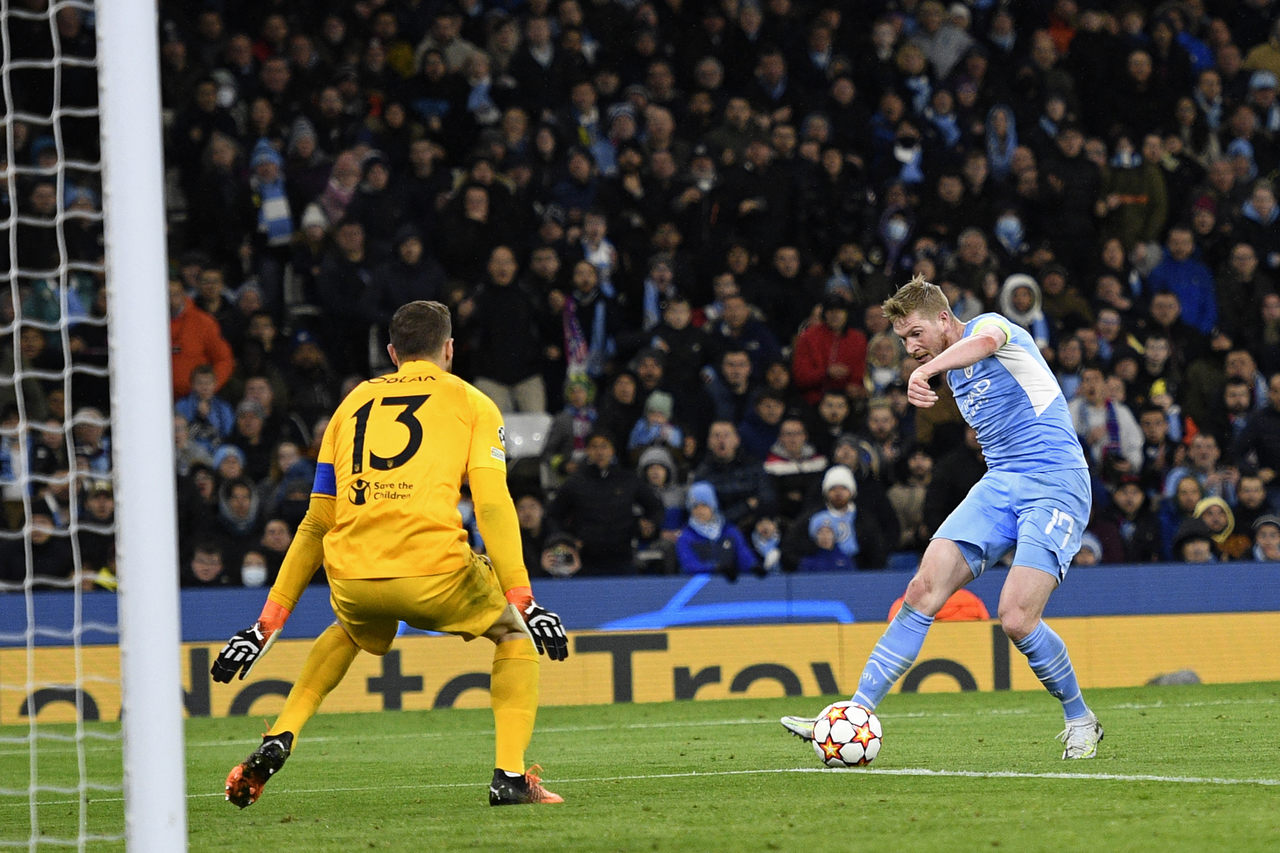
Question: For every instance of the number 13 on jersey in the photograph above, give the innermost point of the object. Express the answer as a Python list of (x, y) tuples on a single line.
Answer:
[(407, 416)]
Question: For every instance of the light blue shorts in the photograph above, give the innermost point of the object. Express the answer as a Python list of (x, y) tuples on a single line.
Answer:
[(1043, 515)]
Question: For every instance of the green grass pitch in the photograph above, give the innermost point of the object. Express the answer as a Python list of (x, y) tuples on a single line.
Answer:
[(1193, 767)]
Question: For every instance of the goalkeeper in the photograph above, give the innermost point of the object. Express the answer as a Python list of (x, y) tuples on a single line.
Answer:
[(384, 519)]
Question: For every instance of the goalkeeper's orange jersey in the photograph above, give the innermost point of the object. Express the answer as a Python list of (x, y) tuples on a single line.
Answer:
[(394, 458)]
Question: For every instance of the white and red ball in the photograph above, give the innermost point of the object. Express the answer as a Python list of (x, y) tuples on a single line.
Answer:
[(846, 735)]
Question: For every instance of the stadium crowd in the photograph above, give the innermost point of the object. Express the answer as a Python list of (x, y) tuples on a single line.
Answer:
[(668, 228)]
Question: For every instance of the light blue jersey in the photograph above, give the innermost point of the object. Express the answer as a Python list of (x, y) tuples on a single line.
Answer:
[(1015, 403), (1035, 495)]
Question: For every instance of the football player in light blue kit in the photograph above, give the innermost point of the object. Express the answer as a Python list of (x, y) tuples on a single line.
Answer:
[(1034, 500)]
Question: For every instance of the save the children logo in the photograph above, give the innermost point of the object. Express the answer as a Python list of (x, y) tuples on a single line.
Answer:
[(358, 492)]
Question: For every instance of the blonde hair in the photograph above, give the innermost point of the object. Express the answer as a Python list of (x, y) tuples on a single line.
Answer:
[(916, 295)]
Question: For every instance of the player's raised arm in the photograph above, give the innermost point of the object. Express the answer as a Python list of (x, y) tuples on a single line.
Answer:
[(932, 335), (971, 350), (964, 352)]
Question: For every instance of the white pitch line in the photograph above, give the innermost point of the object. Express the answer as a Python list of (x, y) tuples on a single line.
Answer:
[(542, 730), (1010, 774), (679, 724), (897, 771), (694, 774), (224, 744), (1147, 706)]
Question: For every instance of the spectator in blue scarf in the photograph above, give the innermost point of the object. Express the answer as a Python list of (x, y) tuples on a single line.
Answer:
[(707, 545), (833, 526), (274, 236), (1002, 139)]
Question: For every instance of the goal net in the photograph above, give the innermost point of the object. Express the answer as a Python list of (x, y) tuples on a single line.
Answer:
[(90, 699)]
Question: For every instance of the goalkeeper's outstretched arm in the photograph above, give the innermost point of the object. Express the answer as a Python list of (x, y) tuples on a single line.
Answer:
[(305, 554)]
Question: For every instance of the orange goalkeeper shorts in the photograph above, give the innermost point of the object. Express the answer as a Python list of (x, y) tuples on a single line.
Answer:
[(466, 602)]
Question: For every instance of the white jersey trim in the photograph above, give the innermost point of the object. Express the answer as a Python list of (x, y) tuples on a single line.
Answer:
[(1040, 386)]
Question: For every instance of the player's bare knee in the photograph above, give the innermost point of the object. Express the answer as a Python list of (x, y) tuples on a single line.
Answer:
[(924, 594), (942, 571), (917, 592), (1017, 622)]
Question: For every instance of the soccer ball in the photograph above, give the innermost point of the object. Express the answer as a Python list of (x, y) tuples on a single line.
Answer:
[(846, 735)]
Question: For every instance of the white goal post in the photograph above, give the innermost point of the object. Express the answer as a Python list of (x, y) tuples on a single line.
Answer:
[(142, 429), (61, 141)]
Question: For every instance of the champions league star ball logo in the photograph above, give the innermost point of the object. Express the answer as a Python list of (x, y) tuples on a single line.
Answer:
[(358, 491)]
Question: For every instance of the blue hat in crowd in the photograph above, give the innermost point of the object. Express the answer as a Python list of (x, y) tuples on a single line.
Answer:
[(224, 451), (41, 144), (265, 152), (302, 337), (1243, 148), (702, 493), (74, 194), (1263, 79)]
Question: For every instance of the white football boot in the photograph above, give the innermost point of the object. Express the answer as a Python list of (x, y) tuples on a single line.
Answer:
[(801, 727), (1081, 737)]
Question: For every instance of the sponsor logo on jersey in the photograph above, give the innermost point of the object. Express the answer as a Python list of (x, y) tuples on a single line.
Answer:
[(971, 402)]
